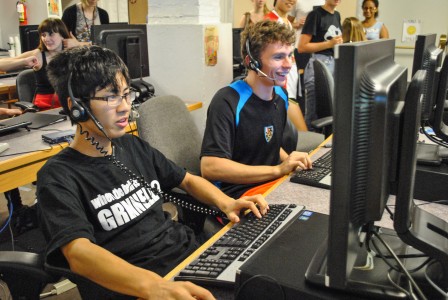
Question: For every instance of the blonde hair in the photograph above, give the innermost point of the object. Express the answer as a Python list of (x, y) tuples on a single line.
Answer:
[(352, 30)]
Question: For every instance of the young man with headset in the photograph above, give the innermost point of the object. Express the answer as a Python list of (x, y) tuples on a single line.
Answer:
[(242, 145), (100, 200)]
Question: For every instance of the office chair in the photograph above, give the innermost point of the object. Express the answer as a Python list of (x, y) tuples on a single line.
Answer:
[(26, 88), (324, 91), (167, 125), (26, 275)]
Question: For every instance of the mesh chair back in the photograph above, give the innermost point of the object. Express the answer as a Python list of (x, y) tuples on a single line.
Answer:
[(26, 86), (168, 126)]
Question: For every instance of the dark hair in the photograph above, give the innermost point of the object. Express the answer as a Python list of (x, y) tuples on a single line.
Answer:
[(264, 33), (51, 25), (377, 4), (92, 69)]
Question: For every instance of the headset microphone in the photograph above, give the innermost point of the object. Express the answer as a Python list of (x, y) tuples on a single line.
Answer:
[(265, 75), (254, 64), (79, 112)]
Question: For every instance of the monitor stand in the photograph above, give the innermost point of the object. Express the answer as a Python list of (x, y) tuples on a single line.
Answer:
[(374, 283)]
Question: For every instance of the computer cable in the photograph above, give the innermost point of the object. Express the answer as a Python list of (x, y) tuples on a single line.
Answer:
[(433, 284), (432, 137), (379, 253), (197, 207), (406, 292), (10, 212), (401, 266)]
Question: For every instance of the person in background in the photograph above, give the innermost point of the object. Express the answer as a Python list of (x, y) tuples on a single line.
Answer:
[(100, 199), (320, 33), (352, 30), (374, 29), (256, 14), (11, 64), (242, 145), (52, 32), (79, 18), (300, 12)]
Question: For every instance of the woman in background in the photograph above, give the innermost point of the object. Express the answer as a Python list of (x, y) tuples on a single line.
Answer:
[(79, 18), (352, 30), (256, 14), (52, 32), (374, 29)]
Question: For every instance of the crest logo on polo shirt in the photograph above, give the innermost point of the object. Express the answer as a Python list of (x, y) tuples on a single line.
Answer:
[(268, 133)]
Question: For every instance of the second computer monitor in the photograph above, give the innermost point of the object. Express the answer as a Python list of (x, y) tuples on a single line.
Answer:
[(29, 37), (129, 41)]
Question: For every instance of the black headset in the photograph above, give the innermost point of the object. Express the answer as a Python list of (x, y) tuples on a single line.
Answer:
[(78, 111), (254, 64)]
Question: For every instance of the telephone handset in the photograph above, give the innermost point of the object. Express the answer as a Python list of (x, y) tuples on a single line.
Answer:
[(188, 204)]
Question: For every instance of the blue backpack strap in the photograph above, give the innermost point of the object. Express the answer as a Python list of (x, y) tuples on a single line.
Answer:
[(245, 91), (279, 91)]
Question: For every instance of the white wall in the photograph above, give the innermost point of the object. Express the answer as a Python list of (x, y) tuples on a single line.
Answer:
[(9, 18), (178, 66)]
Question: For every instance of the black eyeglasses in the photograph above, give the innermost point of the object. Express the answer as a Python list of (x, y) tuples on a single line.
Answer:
[(115, 100)]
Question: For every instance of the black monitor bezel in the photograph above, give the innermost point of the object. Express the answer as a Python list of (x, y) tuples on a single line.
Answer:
[(100, 33)]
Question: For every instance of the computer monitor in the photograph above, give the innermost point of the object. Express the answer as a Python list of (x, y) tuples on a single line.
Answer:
[(369, 100), (421, 44), (416, 227), (129, 41), (29, 37), (432, 60), (438, 124)]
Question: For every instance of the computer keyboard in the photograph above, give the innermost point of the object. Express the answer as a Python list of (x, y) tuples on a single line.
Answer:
[(217, 265), (318, 176), (6, 128)]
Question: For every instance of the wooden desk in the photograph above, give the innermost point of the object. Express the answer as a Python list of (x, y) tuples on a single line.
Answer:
[(8, 87), (17, 170)]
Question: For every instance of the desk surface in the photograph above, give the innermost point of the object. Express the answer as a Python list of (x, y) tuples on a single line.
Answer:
[(28, 153), (313, 198)]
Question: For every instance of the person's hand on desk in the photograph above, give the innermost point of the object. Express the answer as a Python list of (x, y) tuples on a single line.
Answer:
[(257, 204), (10, 111), (293, 161)]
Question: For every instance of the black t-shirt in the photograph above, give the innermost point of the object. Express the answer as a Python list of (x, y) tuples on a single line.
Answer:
[(323, 26), (89, 197), (244, 129)]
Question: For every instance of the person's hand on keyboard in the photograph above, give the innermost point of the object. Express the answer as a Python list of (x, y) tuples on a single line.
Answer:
[(177, 291), (294, 161), (257, 204)]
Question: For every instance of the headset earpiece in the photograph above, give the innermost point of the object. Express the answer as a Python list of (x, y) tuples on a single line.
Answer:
[(77, 111), (254, 64)]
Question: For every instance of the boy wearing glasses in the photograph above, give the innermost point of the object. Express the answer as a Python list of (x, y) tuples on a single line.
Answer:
[(100, 200)]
